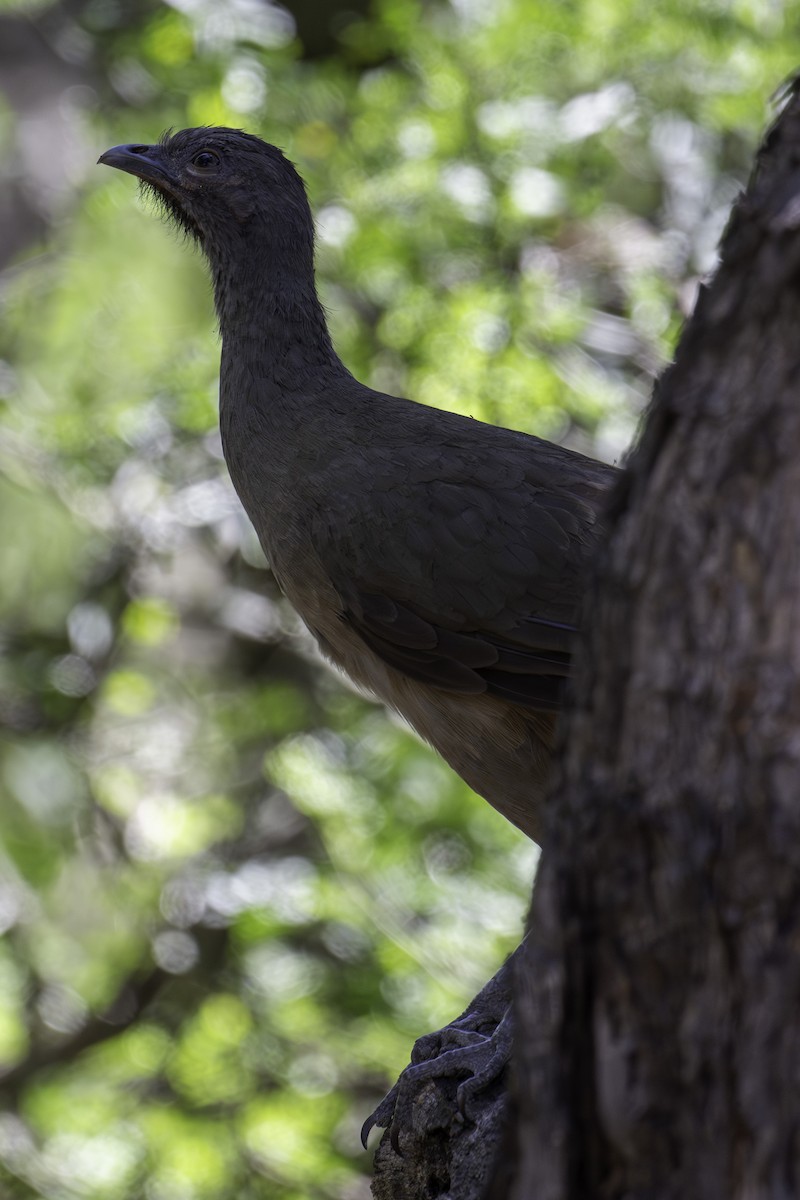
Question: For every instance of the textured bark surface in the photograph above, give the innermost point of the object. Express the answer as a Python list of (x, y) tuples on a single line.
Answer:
[(659, 1013), (443, 1157)]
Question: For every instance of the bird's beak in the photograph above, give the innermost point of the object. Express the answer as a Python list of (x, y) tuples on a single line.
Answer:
[(146, 162)]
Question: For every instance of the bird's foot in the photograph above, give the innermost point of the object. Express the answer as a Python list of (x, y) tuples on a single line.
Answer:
[(477, 1045)]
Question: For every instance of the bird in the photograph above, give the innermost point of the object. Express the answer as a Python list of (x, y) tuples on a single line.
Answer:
[(439, 561)]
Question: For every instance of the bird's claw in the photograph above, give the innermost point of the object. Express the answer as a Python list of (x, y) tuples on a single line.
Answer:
[(458, 1049), (382, 1117), (498, 1048)]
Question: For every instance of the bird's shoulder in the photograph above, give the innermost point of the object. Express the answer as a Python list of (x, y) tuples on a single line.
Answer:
[(384, 443)]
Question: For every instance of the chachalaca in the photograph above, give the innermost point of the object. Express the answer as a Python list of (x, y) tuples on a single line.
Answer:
[(438, 561)]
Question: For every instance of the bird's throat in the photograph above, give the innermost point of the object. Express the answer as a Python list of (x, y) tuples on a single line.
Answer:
[(271, 310)]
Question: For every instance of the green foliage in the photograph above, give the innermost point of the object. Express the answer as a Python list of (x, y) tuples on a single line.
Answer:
[(233, 892)]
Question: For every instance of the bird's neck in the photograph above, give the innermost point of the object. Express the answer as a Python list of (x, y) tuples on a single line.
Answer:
[(267, 304)]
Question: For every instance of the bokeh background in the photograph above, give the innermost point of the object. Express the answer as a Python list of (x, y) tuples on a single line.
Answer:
[(232, 892)]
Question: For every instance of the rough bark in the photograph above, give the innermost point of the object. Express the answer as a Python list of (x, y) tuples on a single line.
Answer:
[(443, 1157), (659, 1011)]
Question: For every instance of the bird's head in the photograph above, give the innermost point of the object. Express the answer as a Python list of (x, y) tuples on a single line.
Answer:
[(219, 185)]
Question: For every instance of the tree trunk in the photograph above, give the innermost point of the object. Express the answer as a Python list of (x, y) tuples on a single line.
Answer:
[(659, 1007)]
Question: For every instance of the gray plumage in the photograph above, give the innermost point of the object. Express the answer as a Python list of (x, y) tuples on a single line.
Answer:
[(438, 561)]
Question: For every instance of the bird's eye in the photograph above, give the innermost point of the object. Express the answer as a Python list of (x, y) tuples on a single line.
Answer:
[(206, 160)]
